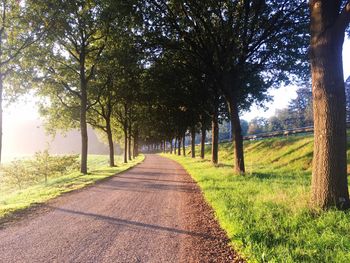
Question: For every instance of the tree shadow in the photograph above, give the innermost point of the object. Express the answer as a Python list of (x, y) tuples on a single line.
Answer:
[(124, 222)]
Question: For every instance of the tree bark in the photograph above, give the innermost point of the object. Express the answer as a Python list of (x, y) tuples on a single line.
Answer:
[(215, 139), (238, 138), (129, 142), (171, 146), (329, 173), (83, 124), (193, 143), (179, 146), (1, 111), (110, 144), (125, 143), (184, 144), (203, 136), (136, 143)]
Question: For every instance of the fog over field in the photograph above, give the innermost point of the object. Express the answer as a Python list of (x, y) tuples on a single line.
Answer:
[(27, 137)]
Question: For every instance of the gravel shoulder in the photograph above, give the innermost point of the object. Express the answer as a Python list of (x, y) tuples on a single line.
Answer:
[(153, 212)]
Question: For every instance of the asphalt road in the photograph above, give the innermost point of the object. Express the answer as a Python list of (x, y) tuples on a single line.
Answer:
[(151, 213)]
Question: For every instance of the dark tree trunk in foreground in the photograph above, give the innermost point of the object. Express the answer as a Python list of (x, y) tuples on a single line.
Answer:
[(110, 144), (125, 143), (193, 143), (136, 144), (1, 111), (129, 143), (175, 146), (83, 123), (171, 146), (238, 138), (215, 139), (329, 175), (184, 145), (203, 136), (179, 146)]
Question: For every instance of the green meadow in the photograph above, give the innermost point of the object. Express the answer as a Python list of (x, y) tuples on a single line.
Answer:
[(266, 213)]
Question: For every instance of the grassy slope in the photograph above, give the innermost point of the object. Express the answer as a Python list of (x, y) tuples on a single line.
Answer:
[(15, 200), (266, 213)]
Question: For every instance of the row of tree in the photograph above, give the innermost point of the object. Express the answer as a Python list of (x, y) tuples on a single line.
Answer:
[(149, 71)]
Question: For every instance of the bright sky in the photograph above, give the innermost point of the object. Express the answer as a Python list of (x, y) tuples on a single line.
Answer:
[(26, 110)]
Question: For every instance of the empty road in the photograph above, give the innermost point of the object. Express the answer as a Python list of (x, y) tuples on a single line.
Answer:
[(152, 213)]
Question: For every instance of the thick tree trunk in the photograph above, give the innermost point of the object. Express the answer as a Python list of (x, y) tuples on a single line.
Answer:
[(193, 143), (179, 146), (329, 173), (238, 138), (125, 143), (171, 146), (83, 128), (184, 144), (203, 136), (129, 143), (1, 111), (215, 139), (136, 144), (110, 144)]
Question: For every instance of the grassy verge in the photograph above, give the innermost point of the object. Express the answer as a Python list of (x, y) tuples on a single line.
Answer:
[(16, 200), (266, 213)]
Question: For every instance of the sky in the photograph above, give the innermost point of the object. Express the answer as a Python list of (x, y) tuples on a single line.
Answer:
[(25, 110)]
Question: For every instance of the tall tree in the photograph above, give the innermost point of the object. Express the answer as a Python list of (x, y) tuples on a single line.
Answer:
[(71, 52), (329, 21), (244, 46), (17, 32)]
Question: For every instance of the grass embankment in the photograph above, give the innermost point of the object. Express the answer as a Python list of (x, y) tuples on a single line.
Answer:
[(14, 200), (267, 213)]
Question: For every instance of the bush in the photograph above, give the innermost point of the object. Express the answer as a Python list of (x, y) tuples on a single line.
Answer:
[(22, 173)]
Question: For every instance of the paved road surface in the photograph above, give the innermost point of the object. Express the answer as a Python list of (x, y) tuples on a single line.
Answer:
[(151, 213)]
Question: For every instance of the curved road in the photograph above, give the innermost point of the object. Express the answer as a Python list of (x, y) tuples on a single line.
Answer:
[(151, 213)]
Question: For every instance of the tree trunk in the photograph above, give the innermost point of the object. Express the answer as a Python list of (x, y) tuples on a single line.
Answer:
[(1, 111), (184, 145), (193, 143), (215, 139), (171, 146), (110, 144), (203, 136), (238, 138), (329, 171), (175, 146), (83, 128), (125, 143), (129, 142), (136, 143), (179, 146)]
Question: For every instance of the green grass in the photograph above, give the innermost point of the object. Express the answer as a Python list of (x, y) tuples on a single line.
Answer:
[(12, 200), (267, 214)]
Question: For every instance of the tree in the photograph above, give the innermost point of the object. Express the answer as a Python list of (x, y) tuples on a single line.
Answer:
[(17, 32), (257, 125), (71, 52), (244, 46), (300, 108), (347, 93), (329, 21)]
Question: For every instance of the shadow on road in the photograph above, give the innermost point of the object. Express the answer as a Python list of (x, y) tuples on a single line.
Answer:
[(120, 221)]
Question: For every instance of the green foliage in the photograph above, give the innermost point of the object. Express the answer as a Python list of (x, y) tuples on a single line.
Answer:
[(13, 200), (22, 173), (266, 213)]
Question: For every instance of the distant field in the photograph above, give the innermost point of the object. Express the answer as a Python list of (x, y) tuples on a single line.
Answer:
[(266, 213), (13, 199)]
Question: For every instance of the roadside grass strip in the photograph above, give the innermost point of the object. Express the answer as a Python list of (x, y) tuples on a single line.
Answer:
[(266, 213)]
